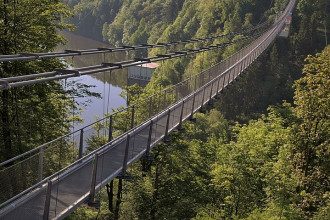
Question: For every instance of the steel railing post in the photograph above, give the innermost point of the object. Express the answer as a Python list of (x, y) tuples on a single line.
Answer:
[(176, 94), (110, 128), (126, 155), (193, 106), (41, 164), (221, 68), (132, 117), (150, 107), (93, 178), (218, 86), (167, 125), (246, 62), (223, 82), (240, 68), (47, 200), (187, 88), (230, 76), (181, 115), (195, 84), (211, 93), (234, 58), (203, 98), (233, 74), (81, 144), (149, 138), (164, 103)]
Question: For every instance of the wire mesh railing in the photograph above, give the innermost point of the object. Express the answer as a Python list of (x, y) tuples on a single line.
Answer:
[(137, 129), (53, 156)]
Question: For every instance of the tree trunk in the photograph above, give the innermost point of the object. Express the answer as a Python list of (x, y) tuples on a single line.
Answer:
[(118, 202), (110, 195)]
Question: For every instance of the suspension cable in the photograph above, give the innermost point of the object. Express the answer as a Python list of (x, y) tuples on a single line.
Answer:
[(59, 74), (35, 56)]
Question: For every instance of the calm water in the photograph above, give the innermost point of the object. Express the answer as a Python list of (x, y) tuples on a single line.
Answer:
[(108, 86)]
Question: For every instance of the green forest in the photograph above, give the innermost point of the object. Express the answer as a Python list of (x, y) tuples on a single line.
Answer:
[(260, 151)]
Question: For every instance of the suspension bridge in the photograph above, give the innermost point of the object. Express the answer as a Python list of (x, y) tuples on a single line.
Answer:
[(52, 180)]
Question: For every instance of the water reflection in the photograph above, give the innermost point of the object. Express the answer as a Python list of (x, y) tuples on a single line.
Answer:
[(77, 42), (108, 84)]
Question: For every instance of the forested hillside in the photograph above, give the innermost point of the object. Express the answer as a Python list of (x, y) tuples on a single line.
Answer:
[(275, 167), (132, 22), (260, 151), (250, 156)]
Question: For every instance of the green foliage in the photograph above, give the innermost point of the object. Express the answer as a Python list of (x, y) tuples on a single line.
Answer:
[(311, 158), (32, 115), (273, 167), (277, 167)]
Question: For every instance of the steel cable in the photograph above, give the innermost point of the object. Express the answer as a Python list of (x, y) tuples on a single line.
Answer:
[(66, 53), (64, 74)]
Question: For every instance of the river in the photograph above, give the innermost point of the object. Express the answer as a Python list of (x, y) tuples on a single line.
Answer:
[(103, 83)]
